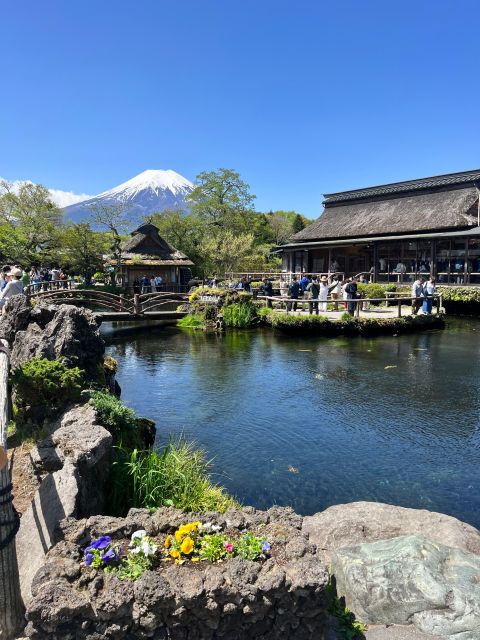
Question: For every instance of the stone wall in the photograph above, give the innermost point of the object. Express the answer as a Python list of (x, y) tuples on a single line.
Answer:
[(282, 596)]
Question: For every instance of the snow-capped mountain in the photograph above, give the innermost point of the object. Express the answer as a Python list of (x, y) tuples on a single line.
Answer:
[(151, 191)]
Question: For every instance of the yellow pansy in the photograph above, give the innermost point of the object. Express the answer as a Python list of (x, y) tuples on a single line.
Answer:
[(187, 546), (179, 535), (168, 542), (174, 553), (195, 559)]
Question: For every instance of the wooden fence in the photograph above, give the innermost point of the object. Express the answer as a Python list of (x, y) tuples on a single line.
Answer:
[(357, 302)]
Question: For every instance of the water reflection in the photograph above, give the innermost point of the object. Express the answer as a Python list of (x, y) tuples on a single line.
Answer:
[(389, 419)]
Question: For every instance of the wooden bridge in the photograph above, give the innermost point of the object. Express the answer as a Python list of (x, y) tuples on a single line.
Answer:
[(111, 306)]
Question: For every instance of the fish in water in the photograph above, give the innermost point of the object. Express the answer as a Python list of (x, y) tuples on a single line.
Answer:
[(390, 366), (292, 469), (319, 376), (304, 349)]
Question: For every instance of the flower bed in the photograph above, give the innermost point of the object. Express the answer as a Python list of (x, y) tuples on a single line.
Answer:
[(244, 574)]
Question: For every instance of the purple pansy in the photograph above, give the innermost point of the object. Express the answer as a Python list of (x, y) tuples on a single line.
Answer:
[(88, 559), (109, 556), (266, 547), (101, 542)]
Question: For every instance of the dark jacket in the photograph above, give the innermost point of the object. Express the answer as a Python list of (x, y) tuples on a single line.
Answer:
[(294, 289), (351, 289), (267, 288), (314, 289)]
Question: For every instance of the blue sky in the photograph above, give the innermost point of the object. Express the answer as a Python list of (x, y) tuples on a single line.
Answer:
[(300, 97)]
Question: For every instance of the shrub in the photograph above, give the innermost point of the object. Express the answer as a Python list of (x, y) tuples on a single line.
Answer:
[(49, 383), (120, 420), (240, 315), (372, 290), (178, 476)]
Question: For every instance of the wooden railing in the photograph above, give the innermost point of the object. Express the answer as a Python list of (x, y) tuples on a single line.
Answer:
[(11, 607), (358, 303), (111, 302)]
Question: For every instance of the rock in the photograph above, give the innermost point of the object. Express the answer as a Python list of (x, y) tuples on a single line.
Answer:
[(55, 499), (71, 333), (350, 524), (147, 431), (411, 579), (17, 318)]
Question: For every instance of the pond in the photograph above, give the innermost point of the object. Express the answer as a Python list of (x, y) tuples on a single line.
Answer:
[(311, 422)]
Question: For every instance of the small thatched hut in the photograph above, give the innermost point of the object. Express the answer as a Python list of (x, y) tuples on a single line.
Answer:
[(394, 232), (147, 254)]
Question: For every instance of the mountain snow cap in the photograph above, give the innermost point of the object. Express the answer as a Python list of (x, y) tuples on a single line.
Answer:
[(156, 180)]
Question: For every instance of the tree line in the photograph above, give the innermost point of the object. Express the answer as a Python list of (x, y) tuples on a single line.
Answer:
[(220, 230)]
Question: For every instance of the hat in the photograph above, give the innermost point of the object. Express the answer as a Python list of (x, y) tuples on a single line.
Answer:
[(17, 273), (323, 279)]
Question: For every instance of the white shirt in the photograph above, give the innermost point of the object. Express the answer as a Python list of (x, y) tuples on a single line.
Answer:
[(13, 288)]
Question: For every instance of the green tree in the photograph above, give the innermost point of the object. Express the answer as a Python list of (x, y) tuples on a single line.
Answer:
[(34, 219), (221, 199), (298, 223), (83, 249)]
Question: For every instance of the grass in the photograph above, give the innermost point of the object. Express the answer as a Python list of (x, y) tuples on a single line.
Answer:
[(349, 626), (178, 476)]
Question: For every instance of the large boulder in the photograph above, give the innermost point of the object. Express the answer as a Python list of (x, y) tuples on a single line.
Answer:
[(351, 524), (64, 332), (74, 463), (412, 580)]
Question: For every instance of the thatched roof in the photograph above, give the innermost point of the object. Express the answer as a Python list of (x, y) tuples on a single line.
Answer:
[(147, 245), (382, 214)]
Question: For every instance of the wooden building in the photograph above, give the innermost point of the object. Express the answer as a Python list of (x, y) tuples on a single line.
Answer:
[(147, 254), (394, 232)]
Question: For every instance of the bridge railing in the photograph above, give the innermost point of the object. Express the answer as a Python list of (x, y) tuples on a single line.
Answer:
[(358, 303), (103, 300)]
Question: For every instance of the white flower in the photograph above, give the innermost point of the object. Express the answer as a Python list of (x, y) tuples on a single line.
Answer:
[(148, 548), (137, 537), (216, 527)]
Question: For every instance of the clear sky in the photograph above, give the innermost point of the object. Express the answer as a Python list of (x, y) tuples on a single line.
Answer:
[(300, 97)]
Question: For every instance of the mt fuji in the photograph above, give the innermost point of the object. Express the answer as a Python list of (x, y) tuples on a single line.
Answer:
[(149, 192)]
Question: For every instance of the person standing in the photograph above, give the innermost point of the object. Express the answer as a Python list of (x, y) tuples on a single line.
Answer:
[(351, 291), (336, 293), (323, 293), (283, 287), (417, 295), (145, 283), (267, 288), (158, 283), (428, 293), (14, 287), (136, 285), (313, 289), (294, 291), (55, 277)]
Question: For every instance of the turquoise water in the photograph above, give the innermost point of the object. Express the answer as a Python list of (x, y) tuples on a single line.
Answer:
[(314, 422)]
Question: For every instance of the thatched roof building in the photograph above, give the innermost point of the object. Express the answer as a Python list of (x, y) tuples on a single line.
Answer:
[(146, 253), (378, 228)]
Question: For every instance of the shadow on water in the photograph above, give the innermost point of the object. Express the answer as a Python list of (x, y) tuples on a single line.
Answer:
[(313, 422)]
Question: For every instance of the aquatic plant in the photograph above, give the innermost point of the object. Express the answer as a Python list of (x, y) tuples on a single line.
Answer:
[(240, 315), (178, 476), (192, 321)]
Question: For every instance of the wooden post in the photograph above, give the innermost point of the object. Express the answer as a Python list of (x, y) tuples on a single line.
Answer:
[(11, 605), (399, 312), (136, 304), (122, 302)]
